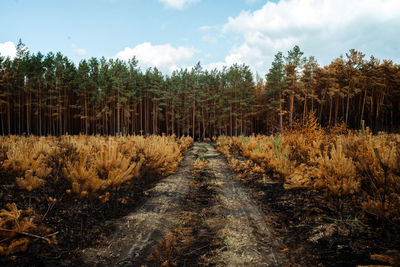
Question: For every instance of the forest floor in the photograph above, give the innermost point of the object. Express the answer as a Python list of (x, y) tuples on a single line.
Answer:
[(208, 217)]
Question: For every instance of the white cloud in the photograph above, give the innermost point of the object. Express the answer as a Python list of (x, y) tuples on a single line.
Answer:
[(79, 52), (323, 28), (165, 57), (8, 49), (177, 4)]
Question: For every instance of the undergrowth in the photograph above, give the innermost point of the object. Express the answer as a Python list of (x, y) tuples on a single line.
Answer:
[(90, 170)]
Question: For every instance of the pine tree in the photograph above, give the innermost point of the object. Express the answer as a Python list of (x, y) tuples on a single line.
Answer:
[(353, 76), (294, 62), (308, 84), (275, 84), (82, 91)]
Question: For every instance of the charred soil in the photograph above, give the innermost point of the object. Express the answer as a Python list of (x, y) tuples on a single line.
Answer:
[(315, 233), (79, 223), (200, 216)]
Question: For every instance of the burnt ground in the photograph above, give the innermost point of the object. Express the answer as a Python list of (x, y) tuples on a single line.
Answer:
[(316, 233), (79, 223), (202, 217)]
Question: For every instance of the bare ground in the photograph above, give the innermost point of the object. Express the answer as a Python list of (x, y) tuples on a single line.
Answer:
[(193, 218), (251, 241)]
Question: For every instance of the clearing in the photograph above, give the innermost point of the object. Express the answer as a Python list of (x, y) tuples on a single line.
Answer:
[(194, 217)]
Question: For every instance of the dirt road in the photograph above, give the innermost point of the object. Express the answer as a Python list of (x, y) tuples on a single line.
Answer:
[(196, 217)]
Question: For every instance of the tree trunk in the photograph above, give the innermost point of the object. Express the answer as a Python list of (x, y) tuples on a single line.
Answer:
[(154, 117), (280, 112), (363, 106), (336, 108), (312, 100), (86, 114), (347, 105), (305, 108), (330, 110), (9, 114), (291, 100), (193, 116), (173, 119), (118, 113)]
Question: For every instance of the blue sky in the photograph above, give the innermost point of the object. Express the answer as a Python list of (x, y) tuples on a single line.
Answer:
[(173, 34)]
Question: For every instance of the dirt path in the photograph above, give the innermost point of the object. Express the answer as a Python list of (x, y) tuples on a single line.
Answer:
[(193, 218), (250, 239)]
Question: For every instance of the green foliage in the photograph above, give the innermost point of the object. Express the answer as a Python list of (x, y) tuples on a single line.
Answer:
[(49, 94), (245, 140), (276, 143)]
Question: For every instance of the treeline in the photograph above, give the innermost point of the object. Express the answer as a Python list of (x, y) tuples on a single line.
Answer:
[(350, 89), (49, 94)]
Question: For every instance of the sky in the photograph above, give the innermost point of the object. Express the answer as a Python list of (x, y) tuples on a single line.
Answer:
[(173, 34)]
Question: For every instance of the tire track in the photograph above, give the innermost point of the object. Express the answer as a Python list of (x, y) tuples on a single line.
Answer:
[(251, 241), (201, 218)]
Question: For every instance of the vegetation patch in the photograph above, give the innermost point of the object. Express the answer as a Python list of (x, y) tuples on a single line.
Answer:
[(57, 197), (333, 193)]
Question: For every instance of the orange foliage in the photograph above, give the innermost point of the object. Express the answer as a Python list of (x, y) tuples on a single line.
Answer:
[(18, 231), (340, 162), (92, 164)]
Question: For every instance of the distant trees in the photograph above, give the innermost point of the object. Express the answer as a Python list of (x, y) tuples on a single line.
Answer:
[(48, 94), (349, 90)]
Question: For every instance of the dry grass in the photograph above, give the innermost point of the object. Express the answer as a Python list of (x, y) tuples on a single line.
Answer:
[(18, 230), (344, 164), (93, 166)]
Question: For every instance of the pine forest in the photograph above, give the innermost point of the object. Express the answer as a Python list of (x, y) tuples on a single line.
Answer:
[(103, 163), (50, 95)]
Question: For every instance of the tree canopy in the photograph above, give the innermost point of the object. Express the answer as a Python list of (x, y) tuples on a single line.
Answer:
[(48, 94)]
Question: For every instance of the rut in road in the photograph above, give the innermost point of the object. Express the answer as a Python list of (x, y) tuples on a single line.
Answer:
[(209, 213), (251, 240)]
